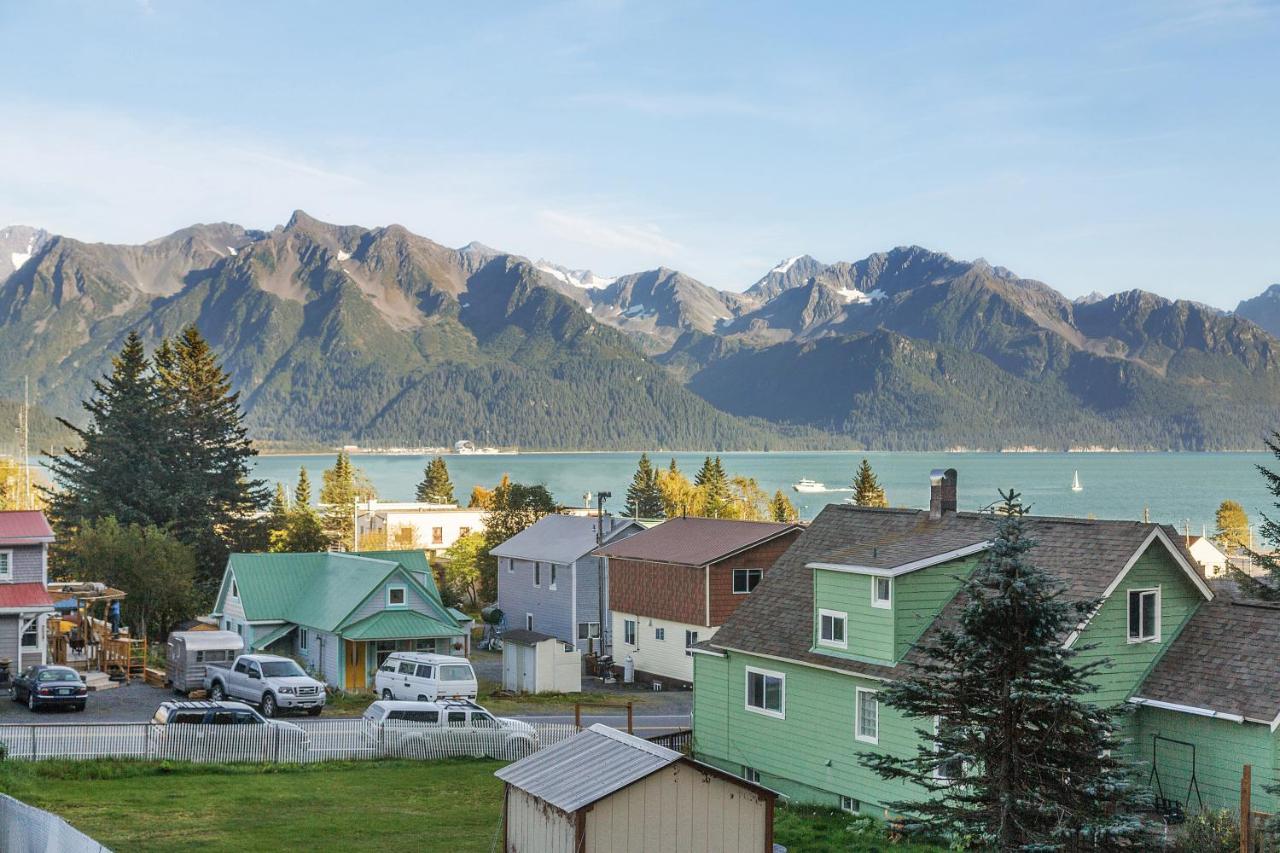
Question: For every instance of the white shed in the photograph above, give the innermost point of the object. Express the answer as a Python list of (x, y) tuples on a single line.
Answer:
[(539, 663), (603, 791)]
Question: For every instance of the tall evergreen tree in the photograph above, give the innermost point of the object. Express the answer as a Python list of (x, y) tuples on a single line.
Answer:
[(714, 484), (1265, 586), (866, 488), (302, 491), (781, 508), (278, 514), (208, 452), (343, 485), (644, 498), (999, 700), (436, 487), (120, 469)]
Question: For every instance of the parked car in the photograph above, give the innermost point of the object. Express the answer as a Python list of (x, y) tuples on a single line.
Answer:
[(448, 728), (271, 682), (423, 677), (50, 686), (277, 737)]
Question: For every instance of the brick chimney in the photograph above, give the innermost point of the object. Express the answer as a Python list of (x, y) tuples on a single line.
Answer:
[(942, 492)]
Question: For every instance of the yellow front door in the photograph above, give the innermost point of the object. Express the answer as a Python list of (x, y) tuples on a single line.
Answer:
[(355, 679)]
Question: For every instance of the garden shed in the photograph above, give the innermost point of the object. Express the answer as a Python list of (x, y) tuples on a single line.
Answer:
[(604, 791), (539, 663)]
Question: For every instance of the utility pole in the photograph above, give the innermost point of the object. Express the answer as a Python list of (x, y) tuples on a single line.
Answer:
[(26, 443), (601, 580), (355, 524)]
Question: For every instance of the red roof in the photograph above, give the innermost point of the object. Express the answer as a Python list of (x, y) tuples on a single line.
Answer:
[(23, 526), (33, 595), (695, 541)]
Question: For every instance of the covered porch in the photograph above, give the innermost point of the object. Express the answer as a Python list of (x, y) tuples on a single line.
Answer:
[(367, 643)]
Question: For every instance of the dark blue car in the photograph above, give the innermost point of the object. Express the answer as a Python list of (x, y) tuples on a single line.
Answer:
[(49, 686)]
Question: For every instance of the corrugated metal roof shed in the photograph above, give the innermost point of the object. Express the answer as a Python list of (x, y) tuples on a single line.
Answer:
[(587, 767)]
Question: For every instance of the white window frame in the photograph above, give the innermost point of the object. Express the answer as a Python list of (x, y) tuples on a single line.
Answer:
[(747, 574), (849, 804), (1155, 593), (404, 595), (630, 631), (6, 576), (660, 634), (690, 640), (593, 630), (860, 692), (528, 621), (537, 573), (751, 774), (781, 713), (302, 639), (844, 628), (235, 590), (552, 585), (511, 565), (876, 600)]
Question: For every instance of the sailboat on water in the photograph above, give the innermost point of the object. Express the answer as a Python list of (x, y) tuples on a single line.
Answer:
[(1075, 482)]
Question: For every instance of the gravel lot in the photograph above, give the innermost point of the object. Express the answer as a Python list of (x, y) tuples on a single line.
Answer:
[(131, 703)]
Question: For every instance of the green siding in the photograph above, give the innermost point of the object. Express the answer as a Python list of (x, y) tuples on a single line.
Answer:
[(869, 629), (814, 747), (1222, 749), (1108, 630), (919, 597)]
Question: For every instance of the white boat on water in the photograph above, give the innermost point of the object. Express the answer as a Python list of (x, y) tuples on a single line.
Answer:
[(1075, 482), (807, 485)]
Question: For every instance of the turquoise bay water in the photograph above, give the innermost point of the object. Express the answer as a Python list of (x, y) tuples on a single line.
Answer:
[(1177, 488)]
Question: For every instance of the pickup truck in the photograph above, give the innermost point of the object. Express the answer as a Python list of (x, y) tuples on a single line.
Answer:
[(271, 682)]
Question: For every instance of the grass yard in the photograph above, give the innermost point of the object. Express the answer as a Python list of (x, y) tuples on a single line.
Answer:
[(439, 807)]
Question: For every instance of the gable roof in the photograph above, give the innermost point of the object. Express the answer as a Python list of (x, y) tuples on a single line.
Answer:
[(398, 625), (1224, 661), (24, 596), (1087, 555), (696, 541), (562, 538), (320, 590), (24, 527)]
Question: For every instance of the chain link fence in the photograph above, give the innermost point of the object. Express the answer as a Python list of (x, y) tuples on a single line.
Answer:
[(27, 829)]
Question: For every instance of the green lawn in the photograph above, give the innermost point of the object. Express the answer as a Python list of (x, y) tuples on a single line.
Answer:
[(444, 806)]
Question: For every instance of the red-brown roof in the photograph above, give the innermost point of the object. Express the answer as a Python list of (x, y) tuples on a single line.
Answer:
[(695, 541), (23, 526), (33, 595)]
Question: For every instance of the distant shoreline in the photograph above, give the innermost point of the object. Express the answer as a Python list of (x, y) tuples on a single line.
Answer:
[(661, 452)]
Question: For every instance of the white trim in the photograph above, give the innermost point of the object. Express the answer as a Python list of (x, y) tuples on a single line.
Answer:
[(905, 568), (857, 715), (706, 591), (734, 578), (1158, 533), (748, 671), (844, 628), (806, 663), (875, 599), (1187, 709), (632, 627), (1128, 628), (528, 621), (26, 608), (709, 653), (7, 577), (404, 594)]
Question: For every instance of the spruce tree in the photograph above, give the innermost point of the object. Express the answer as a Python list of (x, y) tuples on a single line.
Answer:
[(1266, 585), (714, 484), (781, 508), (1013, 757), (302, 492), (338, 494), (436, 487), (866, 488), (644, 498)]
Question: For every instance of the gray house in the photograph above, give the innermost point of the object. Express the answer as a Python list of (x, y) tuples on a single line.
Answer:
[(549, 581), (24, 596)]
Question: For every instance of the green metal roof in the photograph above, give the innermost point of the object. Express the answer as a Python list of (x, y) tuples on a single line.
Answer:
[(266, 640), (398, 625), (459, 615)]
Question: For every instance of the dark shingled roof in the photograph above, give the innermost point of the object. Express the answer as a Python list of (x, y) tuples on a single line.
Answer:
[(521, 637), (776, 619), (1223, 660), (694, 541)]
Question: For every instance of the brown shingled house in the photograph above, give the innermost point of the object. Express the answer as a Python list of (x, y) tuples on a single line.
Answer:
[(675, 584)]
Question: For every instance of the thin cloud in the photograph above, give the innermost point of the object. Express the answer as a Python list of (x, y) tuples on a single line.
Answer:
[(600, 234)]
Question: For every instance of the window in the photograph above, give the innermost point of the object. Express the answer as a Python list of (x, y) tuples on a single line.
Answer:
[(751, 774), (415, 716), (588, 630), (629, 632), (406, 668), (766, 692), (235, 590), (867, 725), (395, 596), (464, 531), (659, 633), (511, 566), (437, 536), (831, 625), (421, 645), (31, 636), (1144, 615), (690, 640), (6, 565), (423, 671), (745, 580), (302, 639), (553, 576), (882, 592), (456, 718), (537, 574), (528, 621), (952, 768), (849, 804)]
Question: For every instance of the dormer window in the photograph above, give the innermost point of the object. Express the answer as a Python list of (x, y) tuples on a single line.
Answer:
[(831, 629), (1144, 615), (882, 592)]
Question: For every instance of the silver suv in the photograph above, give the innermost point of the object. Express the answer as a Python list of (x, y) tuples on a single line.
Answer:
[(448, 728)]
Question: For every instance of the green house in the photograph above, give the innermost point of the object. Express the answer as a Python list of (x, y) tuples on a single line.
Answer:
[(340, 613), (786, 692)]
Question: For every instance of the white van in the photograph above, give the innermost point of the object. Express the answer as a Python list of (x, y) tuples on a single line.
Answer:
[(423, 677)]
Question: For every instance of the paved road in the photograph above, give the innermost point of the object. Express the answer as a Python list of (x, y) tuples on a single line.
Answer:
[(645, 725)]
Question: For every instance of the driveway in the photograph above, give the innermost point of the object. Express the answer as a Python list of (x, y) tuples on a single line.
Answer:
[(129, 703)]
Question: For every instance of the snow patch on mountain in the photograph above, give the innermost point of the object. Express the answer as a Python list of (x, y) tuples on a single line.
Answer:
[(19, 258), (853, 296), (585, 279), (342, 256), (783, 266)]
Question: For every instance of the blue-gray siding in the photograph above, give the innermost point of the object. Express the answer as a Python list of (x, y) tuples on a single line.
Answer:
[(553, 610), (377, 602), (28, 563)]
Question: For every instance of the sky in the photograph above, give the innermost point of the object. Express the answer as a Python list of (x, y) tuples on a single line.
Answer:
[(1091, 145)]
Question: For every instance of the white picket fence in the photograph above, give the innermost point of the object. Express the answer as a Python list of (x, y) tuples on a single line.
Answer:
[(309, 741)]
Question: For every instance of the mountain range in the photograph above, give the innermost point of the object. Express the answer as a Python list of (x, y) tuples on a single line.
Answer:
[(380, 336)]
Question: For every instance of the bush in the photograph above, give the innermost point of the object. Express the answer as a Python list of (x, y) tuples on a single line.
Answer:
[(1209, 831)]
